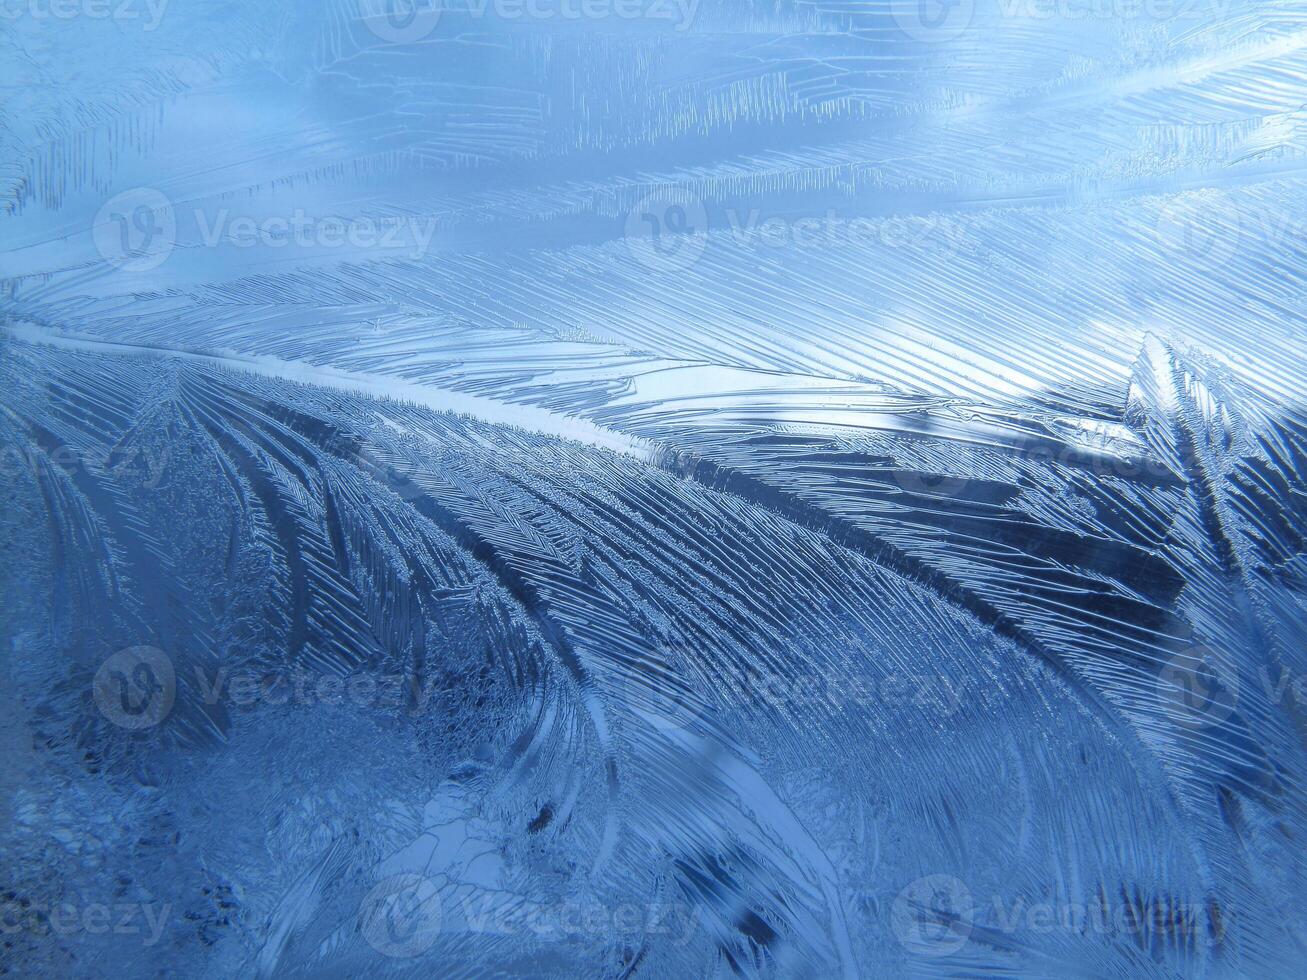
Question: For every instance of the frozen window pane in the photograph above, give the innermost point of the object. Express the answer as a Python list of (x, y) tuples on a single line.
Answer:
[(657, 488)]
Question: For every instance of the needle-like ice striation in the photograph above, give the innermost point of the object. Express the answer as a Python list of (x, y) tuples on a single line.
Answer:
[(653, 488)]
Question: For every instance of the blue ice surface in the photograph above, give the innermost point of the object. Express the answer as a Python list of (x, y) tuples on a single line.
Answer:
[(653, 488)]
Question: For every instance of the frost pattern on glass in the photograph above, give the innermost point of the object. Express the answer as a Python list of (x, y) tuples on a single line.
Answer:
[(653, 488)]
